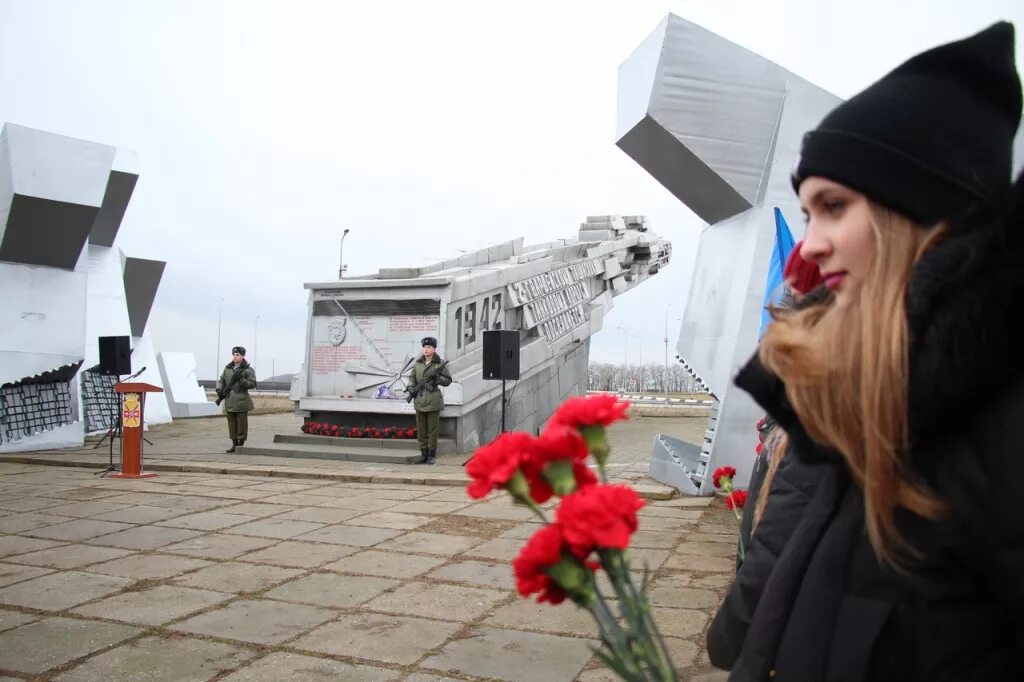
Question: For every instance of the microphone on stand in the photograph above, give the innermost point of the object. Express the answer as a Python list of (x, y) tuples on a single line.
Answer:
[(136, 374)]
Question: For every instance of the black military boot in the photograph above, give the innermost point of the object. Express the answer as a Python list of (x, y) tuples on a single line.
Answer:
[(431, 456), (240, 442), (234, 442), (423, 456)]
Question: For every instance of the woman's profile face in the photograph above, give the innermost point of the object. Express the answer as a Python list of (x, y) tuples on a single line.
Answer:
[(839, 238)]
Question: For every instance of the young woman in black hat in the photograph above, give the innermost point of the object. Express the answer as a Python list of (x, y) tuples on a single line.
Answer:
[(902, 396), (429, 372)]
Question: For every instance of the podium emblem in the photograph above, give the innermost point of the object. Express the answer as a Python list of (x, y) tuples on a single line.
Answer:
[(131, 415)]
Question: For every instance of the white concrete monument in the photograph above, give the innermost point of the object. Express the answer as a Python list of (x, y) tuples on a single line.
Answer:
[(364, 331), (720, 127), (65, 284)]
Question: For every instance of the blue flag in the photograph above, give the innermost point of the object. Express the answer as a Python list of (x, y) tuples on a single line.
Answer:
[(773, 284)]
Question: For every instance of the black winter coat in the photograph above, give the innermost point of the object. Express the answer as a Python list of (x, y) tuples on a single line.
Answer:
[(811, 600)]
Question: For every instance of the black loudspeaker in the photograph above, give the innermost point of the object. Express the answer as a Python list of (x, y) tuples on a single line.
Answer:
[(501, 354), (115, 355)]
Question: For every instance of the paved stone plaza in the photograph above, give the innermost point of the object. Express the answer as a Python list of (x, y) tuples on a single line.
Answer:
[(259, 576)]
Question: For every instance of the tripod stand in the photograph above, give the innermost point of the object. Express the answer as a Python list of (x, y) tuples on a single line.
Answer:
[(114, 432)]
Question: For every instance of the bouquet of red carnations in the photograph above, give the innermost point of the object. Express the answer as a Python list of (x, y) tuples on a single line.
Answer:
[(592, 525)]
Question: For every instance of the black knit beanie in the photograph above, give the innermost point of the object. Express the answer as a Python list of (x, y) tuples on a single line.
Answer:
[(931, 140)]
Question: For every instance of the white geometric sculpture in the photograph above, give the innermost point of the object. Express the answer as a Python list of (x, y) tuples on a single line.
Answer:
[(61, 205), (720, 127), (185, 397)]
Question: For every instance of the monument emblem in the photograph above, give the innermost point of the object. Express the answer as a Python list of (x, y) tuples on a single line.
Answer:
[(337, 330)]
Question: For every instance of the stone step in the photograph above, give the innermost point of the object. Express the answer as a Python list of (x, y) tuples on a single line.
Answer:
[(444, 445), (340, 453)]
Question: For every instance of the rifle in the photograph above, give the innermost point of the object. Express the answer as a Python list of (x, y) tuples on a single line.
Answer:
[(415, 390), (235, 377)]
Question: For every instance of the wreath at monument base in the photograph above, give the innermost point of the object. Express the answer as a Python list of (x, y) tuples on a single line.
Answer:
[(335, 431)]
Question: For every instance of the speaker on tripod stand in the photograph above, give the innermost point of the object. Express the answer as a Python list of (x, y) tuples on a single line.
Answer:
[(501, 360), (115, 361)]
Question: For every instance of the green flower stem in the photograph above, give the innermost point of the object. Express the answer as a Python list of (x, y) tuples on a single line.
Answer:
[(637, 612), (617, 641)]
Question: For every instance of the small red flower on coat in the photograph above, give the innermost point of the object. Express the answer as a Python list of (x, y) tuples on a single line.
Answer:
[(722, 473), (737, 499), (600, 516)]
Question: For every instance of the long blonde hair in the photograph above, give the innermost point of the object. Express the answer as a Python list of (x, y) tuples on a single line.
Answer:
[(846, 375)]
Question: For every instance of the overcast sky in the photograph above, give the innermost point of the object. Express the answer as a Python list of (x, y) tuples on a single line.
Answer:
[(264, 129)]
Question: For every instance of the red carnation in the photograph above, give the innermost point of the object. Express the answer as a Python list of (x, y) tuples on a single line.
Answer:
[(720, 473), (546, 549), (737, 499), (557, 464), (600, 516), (494, 465), (602, 409), (759, 449)]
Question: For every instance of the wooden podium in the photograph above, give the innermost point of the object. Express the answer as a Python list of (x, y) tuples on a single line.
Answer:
[(133, 402)]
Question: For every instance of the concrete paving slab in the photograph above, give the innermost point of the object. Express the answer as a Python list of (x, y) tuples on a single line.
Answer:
[(374, 637), (26, 504), (40, 646), (655, 539), (16, 573), (145, 537), (680, 622), (154, 606), (511, 655), (524, 614), (330, 589), (476, 573), (157, 659), (16, 544), (706, 549), (148, 566), (258, 510), (499, 549), (356, 536), (296, 554), (274, 527), (496, 510), (79, 529), (299, 668), (140, 513), (59, 591), (27, 521), (15, 619), (70, 556), (218, 546), (431, 543), (207, 520), (85, 509), (385, 564), (235, 577), (662, 594), (325, 515), (259, 621), (438, 600), (365, 504), (429, 507), (389, 519), (693, 562)]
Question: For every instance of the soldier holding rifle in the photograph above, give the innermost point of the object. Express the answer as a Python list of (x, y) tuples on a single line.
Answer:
[(233, 389), (427, 375)]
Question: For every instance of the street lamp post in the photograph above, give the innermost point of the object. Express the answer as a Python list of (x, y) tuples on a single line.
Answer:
[(625, 355), (255, 336), (341, 255), (640, 345), (216, 355)]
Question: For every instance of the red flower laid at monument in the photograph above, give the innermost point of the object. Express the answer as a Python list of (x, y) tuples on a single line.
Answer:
[(334, 430), (593, 527), (720, 473)]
